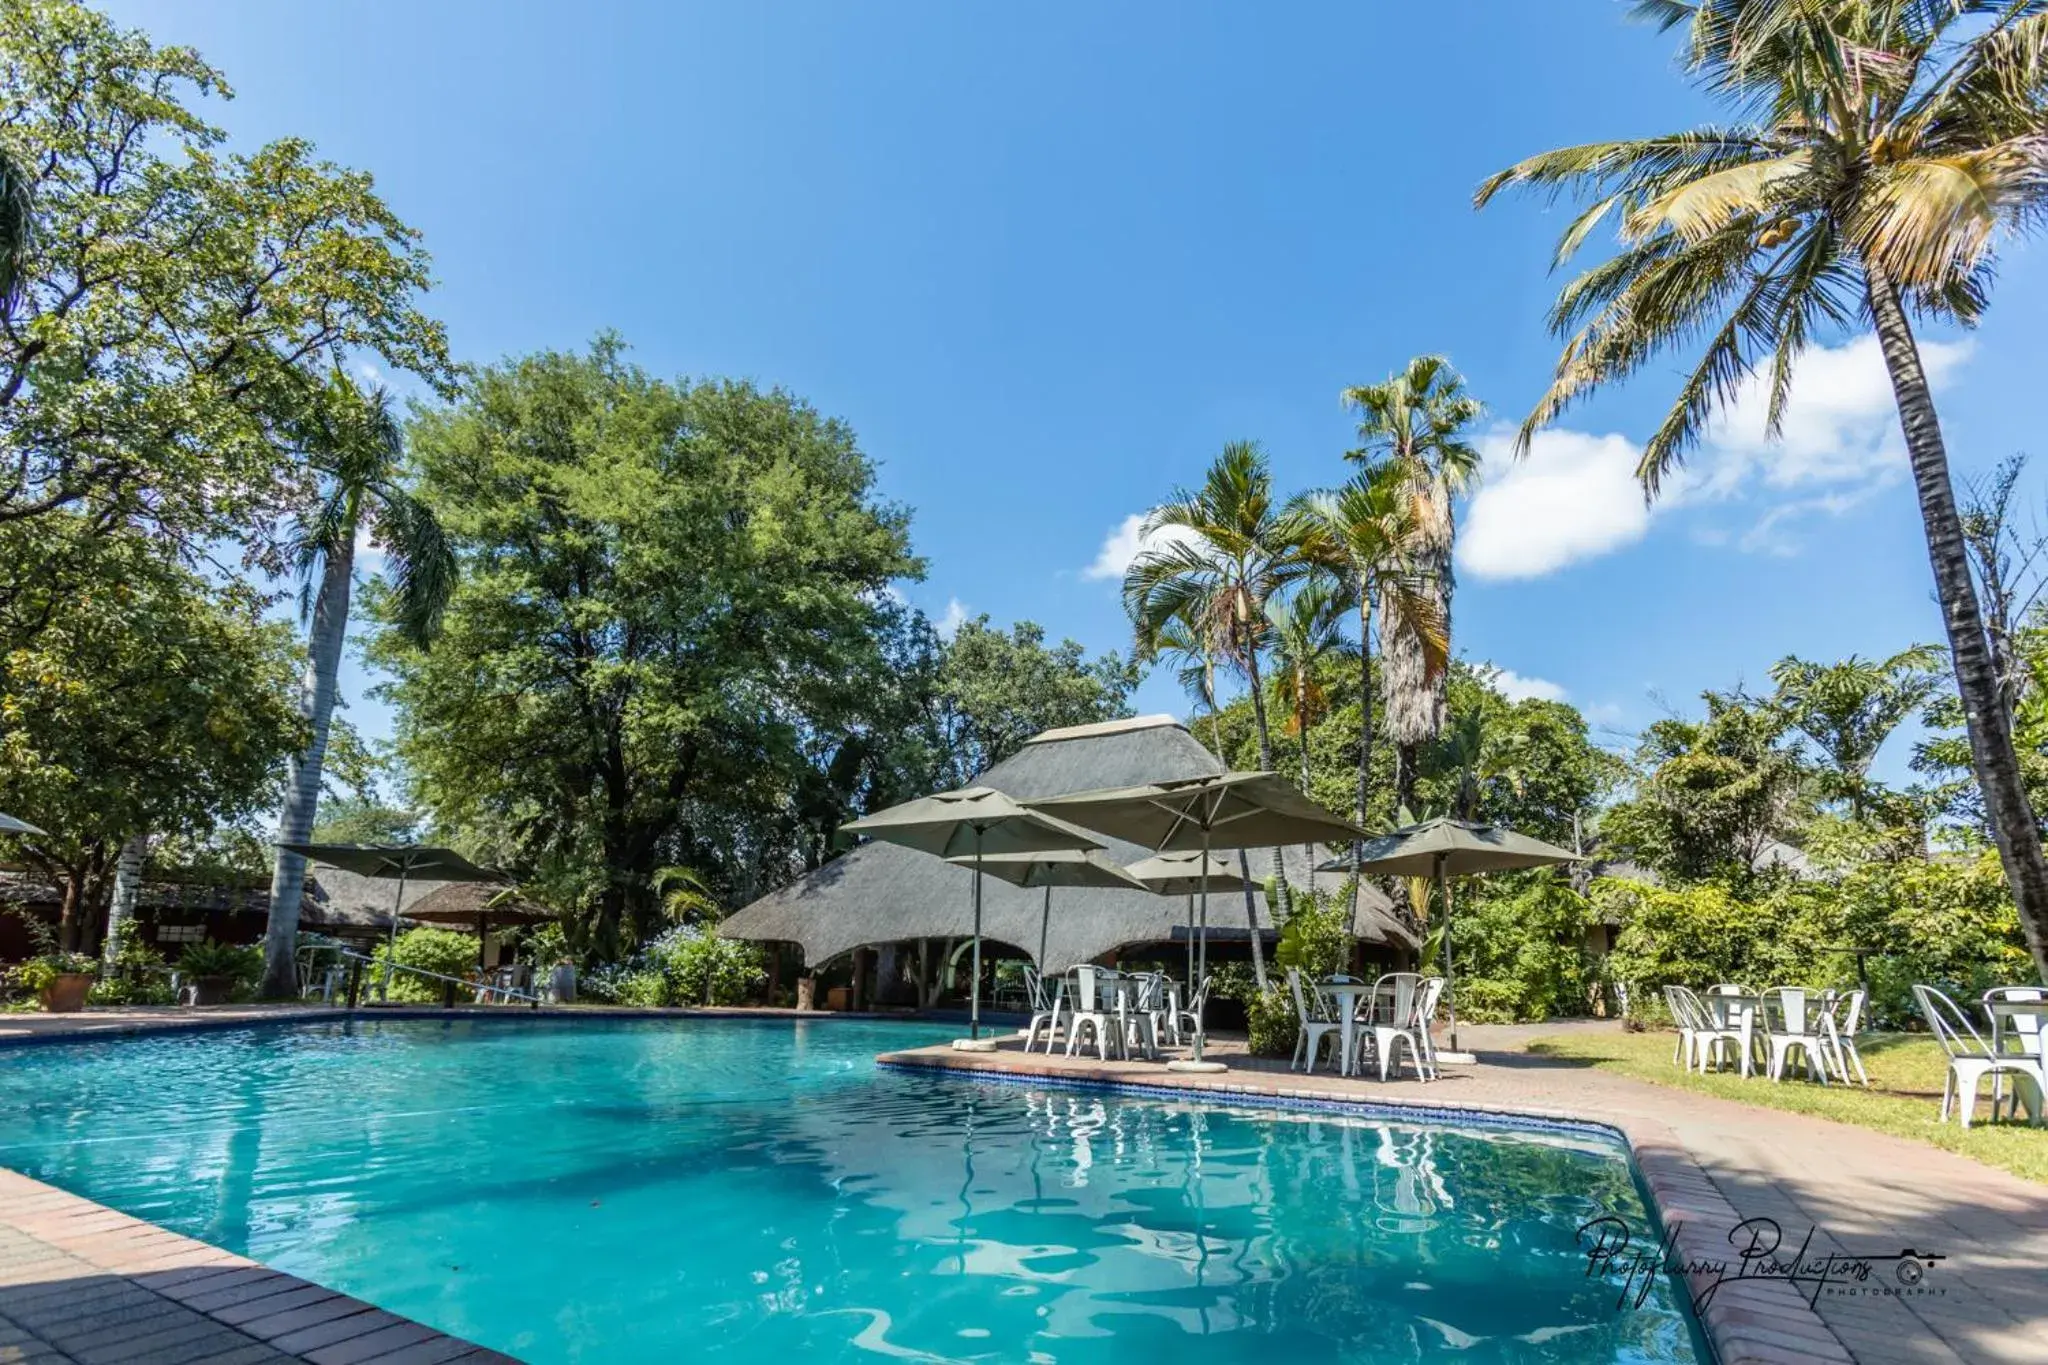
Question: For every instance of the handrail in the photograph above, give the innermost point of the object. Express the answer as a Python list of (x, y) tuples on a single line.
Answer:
[(483, 986)]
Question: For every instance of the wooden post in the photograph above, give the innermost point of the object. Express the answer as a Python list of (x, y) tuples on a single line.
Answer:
[(806, 991)]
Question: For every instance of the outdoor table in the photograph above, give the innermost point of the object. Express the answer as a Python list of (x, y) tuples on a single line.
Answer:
[(2001, 1012), (1346, 994)]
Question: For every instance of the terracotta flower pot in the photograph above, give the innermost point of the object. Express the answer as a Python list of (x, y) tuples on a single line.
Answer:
[(65, 994)]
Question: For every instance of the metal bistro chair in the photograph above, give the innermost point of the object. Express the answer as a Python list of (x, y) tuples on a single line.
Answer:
[(1046, 1007), (1409, 996), (1187, 1021), (1094, 1008), (1135, 1028), (1792, 1023), (1970, 1059), (1316, 1026), (2017, 1034), (1840, 1024)]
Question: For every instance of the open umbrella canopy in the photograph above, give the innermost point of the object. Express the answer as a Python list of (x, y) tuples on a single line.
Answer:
[(1056, 867), (407, 861), (969, 821), (1180, 874), (1463, 849), (1229, 810), (10, 825)]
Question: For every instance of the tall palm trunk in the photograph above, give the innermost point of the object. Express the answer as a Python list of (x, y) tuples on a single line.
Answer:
[(302, 791), (1364, 730), (1301, 728), (2014, 826), (1251, 668), (127, 889)]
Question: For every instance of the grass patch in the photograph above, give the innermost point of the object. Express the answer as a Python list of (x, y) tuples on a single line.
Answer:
[(1904, 1100)]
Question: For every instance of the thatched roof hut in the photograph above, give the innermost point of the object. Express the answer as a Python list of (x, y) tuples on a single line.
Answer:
[(881, 893)]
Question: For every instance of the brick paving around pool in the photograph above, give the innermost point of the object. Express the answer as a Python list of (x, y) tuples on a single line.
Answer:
[(1711, 1164)]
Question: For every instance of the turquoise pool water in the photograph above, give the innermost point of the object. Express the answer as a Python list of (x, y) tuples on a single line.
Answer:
[(597, 1190)]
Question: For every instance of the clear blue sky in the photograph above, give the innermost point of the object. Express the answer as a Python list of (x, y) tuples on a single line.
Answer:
[(1047, 259)]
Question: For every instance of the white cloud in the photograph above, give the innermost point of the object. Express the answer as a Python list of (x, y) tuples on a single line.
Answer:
[(955, 617), (1126, 541), (369, 555), (1575, 496), (1572, 497), (1515, 687)]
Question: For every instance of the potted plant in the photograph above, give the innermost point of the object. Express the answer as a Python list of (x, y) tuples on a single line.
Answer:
[(59, 981), (211, 971)]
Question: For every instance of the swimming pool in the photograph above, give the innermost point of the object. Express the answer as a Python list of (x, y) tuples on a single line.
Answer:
[(741, 1190)]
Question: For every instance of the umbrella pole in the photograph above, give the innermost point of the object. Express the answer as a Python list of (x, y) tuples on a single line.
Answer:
[(1191, 941), (391, 953), (974, 987), (1194, 989), (1443, 885), (1044, 923)]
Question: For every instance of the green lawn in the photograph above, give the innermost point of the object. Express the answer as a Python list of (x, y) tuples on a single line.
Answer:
[(1904, 1098)]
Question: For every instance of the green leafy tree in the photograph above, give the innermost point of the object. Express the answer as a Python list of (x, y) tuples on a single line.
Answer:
[(358, 456), (1849, 709), (995, 689), (364, 820), (149, 701), (1711, 794), (670, 609), (175, 301), (1415, 421), (1881, 151), (1228, 549)]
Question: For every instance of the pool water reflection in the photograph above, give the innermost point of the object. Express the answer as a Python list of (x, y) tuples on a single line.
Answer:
[(754, 1190)]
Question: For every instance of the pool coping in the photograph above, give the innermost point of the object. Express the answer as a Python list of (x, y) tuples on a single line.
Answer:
[(1746, 1321)]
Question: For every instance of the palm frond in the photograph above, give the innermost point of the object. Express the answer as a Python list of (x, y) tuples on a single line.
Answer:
[(420, 560)]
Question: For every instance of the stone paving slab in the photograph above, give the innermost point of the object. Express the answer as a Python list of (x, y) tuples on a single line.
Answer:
[(81, 1284), (1711, 1164)]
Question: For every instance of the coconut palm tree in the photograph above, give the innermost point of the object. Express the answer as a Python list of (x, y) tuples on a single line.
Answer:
[(357, 451), (1216, 556), (1369, 531), (1307, 629), (1415, 421), (1881, 148)]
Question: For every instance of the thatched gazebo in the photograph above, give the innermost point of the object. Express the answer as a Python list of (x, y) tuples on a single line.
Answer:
[(880, 894)]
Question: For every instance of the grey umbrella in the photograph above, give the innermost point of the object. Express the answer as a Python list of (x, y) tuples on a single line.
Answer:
[(1057, 867), (1444, 848), (397, 862), (1226, 810), (975, 823), (10, 825), (1184, 874)]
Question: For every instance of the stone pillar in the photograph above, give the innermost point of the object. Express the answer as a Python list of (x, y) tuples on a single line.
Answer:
[(806, 991)]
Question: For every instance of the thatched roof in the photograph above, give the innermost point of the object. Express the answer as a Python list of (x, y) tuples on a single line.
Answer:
[(880, 893), (357, 909)]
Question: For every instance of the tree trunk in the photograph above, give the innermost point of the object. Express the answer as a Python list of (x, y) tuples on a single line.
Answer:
[(2013, 824), (71, 897), (1301, 728), (302, 789), (1364, 731), (127, 887), (1251, 668)]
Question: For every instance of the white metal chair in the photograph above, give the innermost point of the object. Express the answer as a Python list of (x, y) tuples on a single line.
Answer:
[(1840, 1023), (1316, 1026), (1046, 1009), (1093, 1009), (1704, 1028), (1135, 1027), (1187, 1019), (1414, 1001), (1792, 1024), (1683, 1019), (1731, 1008), (1970, 1059)]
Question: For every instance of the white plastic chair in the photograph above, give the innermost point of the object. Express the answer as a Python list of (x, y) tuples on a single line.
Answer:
[(1316, 1025), (1840, 1024), (1407, 1021), (1792, 1024), (1970, 1059), (1091, 988)]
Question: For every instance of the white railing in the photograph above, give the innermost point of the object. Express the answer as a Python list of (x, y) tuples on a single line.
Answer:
[(485, 988)]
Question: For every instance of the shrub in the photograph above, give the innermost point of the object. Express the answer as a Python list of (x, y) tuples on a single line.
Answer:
[(1316, 940), (426, 949), (1518, 947), (1272, 1023), (687, 965)]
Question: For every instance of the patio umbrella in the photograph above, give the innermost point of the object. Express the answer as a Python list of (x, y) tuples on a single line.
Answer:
[(1056, 867), (497, 909), (1226, 810), (976, 823), (397, 862), (1183, 874), (10, 825), (1444, 848)]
